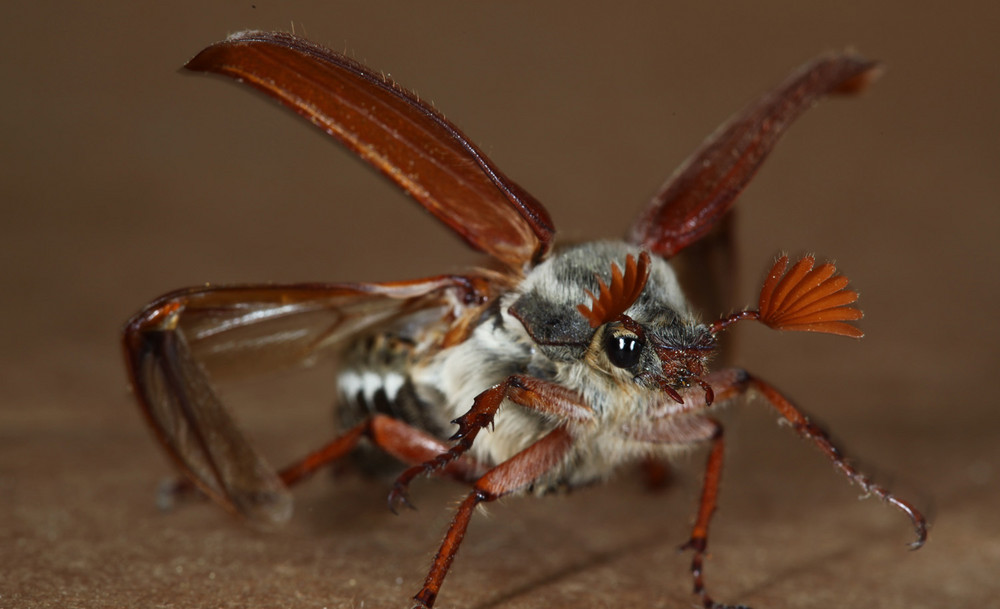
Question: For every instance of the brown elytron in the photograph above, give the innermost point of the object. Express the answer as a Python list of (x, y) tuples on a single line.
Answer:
[(574, 362)]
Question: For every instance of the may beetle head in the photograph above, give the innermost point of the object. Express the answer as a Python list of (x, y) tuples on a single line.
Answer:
[(636, 326)]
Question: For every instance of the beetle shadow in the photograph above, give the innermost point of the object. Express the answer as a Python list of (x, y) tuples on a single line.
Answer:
[(798, 570), (648, 542), (344, 502)]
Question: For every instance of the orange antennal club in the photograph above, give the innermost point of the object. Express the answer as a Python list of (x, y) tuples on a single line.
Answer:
[(615, 298), (808, 299), (805, 298)]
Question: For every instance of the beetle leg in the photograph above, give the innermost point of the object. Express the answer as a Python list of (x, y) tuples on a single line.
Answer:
[(656, 473), (536, 394), (512, 475), (736, 381), (679, 424), (731, 382), (397, 438), (812, 432), (706, 507), (685, 430)]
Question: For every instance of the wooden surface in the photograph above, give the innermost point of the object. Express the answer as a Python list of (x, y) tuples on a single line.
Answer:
[(122, 179)]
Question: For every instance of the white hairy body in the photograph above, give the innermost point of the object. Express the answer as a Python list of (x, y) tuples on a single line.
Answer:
[(450, 380)]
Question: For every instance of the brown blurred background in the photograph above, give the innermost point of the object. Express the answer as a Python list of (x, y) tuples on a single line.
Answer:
[(122, 178)]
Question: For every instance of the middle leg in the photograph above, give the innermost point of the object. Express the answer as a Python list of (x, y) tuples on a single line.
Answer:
[(397, 438)]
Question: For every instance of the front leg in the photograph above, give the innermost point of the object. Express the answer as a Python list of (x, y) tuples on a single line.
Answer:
[(542, 396), (680, 424), (812, 432), (706, 508), (512, 475)]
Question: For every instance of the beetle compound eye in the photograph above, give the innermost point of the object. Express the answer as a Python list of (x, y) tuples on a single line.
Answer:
[(623, 349)]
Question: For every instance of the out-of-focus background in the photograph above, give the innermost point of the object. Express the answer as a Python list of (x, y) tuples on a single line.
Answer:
[(121, 178)]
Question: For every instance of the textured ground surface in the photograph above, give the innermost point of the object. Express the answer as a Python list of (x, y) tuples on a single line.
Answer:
[(121, 179)]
